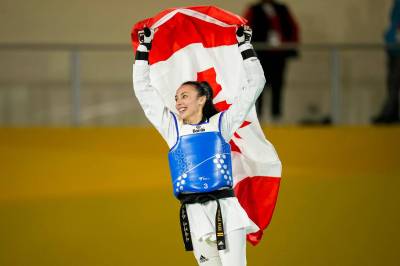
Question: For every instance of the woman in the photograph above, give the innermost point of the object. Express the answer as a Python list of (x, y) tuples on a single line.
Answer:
[(213, 223)]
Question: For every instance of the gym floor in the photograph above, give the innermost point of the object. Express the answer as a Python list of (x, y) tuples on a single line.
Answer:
[(102, 196)]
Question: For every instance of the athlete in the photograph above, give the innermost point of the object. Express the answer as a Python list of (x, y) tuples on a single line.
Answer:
[(213, 223)]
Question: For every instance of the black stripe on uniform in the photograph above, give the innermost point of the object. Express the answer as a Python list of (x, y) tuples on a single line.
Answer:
[(142, 55), (248, 53)]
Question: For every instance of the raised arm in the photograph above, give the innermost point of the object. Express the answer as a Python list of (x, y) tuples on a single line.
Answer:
[(244, 101), (150, 100)]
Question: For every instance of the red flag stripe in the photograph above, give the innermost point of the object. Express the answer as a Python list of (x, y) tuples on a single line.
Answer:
[(258, 195), (220, 14), (211, 11), (197, 31)]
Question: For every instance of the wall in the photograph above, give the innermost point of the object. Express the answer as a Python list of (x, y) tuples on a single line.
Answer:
[(103, 21), (34, 86)]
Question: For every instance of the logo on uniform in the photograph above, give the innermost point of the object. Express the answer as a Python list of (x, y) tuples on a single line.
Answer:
[(198, 129)]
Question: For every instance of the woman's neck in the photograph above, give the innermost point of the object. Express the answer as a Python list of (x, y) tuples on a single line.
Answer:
[(194, 119)]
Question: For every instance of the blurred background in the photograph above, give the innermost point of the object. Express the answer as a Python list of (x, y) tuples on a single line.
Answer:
[(84, 178)]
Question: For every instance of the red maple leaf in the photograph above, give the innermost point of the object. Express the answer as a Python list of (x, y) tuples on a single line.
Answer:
[(234, 147), (222, 106), (210, 76)]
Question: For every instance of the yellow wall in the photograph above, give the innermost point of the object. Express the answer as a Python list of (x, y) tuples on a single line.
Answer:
[(101, 196)]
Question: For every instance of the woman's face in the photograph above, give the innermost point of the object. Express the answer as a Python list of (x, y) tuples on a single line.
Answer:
[(189, 104)]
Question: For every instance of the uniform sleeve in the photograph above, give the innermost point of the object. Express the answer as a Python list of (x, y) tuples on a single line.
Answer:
[(150, 100), (244, 101)]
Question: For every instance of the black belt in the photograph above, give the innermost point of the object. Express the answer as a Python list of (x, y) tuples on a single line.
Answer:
[(203, 198)]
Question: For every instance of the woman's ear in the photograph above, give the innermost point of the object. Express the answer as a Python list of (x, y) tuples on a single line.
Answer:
[(202, 100)]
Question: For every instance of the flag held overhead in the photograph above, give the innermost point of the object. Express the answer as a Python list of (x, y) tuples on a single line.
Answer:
[(199, 43)]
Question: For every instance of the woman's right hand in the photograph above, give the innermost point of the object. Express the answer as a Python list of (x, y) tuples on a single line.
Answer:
[(145, 37)]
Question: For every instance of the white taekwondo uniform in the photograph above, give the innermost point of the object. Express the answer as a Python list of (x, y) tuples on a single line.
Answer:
[(202, 216)]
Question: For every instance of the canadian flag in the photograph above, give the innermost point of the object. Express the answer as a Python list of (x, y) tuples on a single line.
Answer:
[(199, 43)]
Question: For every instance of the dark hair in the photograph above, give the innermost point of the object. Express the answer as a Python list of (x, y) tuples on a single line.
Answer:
[(204, 89)]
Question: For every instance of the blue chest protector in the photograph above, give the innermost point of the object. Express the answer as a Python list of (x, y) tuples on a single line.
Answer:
[(201, 161)]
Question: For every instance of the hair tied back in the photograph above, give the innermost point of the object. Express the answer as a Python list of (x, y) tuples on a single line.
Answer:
[(207, 89)]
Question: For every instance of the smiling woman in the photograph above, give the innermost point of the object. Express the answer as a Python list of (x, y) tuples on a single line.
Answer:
[(213, 223), (194, 102)]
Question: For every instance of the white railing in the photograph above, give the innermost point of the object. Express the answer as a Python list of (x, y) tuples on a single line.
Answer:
[(75, 51), (335, 65)]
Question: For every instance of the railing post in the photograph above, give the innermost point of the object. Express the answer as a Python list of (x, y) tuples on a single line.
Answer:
[(75, 87), (335, 86)]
